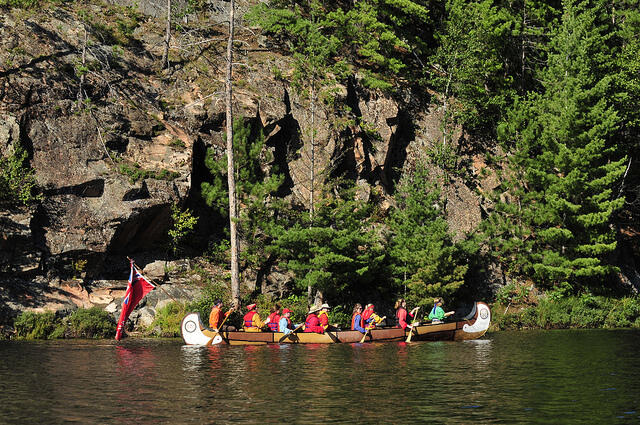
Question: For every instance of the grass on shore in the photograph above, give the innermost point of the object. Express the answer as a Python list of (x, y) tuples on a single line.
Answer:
[(585, 311)]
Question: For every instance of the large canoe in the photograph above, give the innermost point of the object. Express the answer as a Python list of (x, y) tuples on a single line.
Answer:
[(472, 326)]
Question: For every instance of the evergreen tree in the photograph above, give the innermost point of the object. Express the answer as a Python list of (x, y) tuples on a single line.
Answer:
[(555, 222), (625, 18), (256, 186), (468, 64), (340, 254), (422, 254), (526, 55)]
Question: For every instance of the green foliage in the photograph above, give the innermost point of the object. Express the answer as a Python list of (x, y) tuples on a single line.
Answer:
[(469, 63), (256, 186), (212, 291), (555, 222), (168, 320), (513, 293), (341, 315), (31, 325), (298, 306), (18, 184), (585, 311), (24, 4), (340, 253), (90, 323), (423, 255), (78, 268), (183, 224)]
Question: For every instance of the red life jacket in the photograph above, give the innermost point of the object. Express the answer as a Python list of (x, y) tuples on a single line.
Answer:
[(248, 319), (312, 324), (399, 322), (273, 321), (366, 314), (353, 321)]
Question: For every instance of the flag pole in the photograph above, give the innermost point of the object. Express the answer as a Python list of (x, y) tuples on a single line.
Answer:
[(156, 283)]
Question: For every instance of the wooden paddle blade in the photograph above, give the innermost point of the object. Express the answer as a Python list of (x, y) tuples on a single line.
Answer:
[(364, 336), (410, 334), (290, 333)]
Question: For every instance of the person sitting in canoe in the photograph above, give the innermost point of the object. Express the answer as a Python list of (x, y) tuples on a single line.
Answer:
[(285, 325), (273, 321), (357, 324), (401, 313), (437, 314), (370, 318), (214, 316), (312, 323), (323, 316), (252, 321)]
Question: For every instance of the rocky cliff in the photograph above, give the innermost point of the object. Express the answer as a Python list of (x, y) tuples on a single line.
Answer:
[(115, 141)]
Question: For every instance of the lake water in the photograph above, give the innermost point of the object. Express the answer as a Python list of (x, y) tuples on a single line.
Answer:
[(545, 377)]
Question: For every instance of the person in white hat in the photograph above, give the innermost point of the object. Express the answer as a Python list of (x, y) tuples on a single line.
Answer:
[(312, 323), (323, 316)]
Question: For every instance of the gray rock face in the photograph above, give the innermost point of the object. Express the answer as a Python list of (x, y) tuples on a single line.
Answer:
[(100, 163)]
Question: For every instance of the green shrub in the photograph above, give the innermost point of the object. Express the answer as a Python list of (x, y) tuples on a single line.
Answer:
[(585, 311), (23, 4), (340, 315), (90, 323), (31, 325), (167, 321), (17, 181), (211, 292)]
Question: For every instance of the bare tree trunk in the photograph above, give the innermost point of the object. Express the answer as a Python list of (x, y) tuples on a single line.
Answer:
[(233, 209), (167, 37), (313, 170), (84, 63)]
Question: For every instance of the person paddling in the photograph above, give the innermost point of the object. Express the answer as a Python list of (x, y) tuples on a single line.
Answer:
[(252, 321), (401, 313), (273, 321), (357, 324), (312, 323), (370, 318), (437, 314), (285, 325), (214, 316)]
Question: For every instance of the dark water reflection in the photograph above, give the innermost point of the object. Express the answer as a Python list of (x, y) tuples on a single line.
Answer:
[(521, 377)]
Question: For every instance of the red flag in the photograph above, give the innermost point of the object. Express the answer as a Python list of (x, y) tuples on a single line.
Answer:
[(137, 288)]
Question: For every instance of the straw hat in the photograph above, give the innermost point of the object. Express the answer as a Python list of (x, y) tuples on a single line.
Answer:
[(313, 309), (325, 305)]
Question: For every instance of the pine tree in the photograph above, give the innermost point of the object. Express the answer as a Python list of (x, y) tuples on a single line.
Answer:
[(422, 254), (340, 254), (468, 64), (555, 222), (256, 186)]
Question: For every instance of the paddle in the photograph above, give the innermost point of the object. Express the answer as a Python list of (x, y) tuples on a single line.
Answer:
[(290, 333), (368, 329), (334, 338), (412, 327), (224, 320)]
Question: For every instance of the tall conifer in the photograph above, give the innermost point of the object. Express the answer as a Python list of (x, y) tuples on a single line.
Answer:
[(555, 222)]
